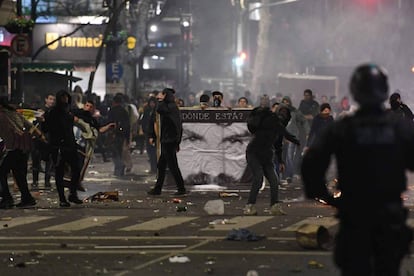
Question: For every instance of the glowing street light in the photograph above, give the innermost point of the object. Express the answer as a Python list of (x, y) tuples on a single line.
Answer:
[(153, 28)]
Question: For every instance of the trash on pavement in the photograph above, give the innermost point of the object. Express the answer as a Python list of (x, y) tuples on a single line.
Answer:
[(104, 196), (252, 273), (313, 236), (214, 207), (176, 200), (243, 234), (221, 222), (224, 194), (315, 264), (179, 259), (181, 208), (6, 218)]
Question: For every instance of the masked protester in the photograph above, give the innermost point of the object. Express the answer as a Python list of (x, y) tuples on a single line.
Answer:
[(373, 150), (59, 125), (267, 127), (399, 108), (171, 133)]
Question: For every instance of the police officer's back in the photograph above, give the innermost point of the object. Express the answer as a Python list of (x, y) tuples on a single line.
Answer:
[(373, 150)]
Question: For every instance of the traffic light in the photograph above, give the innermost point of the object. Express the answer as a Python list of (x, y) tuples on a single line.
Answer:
[(131, 42)]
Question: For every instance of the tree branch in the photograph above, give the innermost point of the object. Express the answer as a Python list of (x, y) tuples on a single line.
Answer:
[(41, 48)]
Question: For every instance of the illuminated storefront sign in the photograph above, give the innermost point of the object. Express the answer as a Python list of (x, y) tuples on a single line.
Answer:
[(64, 43)]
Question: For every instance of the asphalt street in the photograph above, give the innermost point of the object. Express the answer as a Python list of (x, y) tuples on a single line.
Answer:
[(122, 231)]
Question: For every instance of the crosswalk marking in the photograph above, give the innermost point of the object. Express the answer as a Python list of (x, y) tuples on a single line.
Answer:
[(323, 221), (22, 221), (158, 224), (238, 222), (83, 223)]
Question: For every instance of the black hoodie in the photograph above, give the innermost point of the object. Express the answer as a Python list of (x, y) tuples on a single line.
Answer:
[(59, 123), (267, 131), (171, 125)]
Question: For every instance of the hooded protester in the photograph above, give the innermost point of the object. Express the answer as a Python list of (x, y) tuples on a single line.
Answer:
[(170, 137), (267, 128), (399, 108), (59, 126)]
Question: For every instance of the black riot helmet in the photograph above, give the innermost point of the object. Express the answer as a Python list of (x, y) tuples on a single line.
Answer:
[(369, 85)]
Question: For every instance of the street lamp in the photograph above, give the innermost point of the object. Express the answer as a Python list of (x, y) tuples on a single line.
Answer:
[(242, 44)]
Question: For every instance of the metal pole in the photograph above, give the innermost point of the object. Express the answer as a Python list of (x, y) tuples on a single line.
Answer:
[(18, 94)]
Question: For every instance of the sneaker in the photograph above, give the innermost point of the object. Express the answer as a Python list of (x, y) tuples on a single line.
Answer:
[(154, 192), (277, 210), (6, 204), (64, 204), (249, 210), (75, 199), (283, 182), (26, 203)]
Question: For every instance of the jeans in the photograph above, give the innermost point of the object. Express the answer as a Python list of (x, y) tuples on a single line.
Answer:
[(292, 160), (259, 167)]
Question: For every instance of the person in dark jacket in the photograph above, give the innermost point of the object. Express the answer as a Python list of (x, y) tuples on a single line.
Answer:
[(319, 123), (17, 134), (373, 150), (399, 108), (120, 134), (59, 126), (308, 106), (266, 128), (283, 112), (171, 133)]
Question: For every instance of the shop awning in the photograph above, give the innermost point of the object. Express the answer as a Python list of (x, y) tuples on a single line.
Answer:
[(53, 67)]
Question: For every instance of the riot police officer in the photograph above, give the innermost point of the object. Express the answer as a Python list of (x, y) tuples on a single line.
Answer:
[(373, 150)]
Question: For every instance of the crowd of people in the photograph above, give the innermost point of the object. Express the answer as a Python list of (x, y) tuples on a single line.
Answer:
[(77, 125), (287, 142)]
